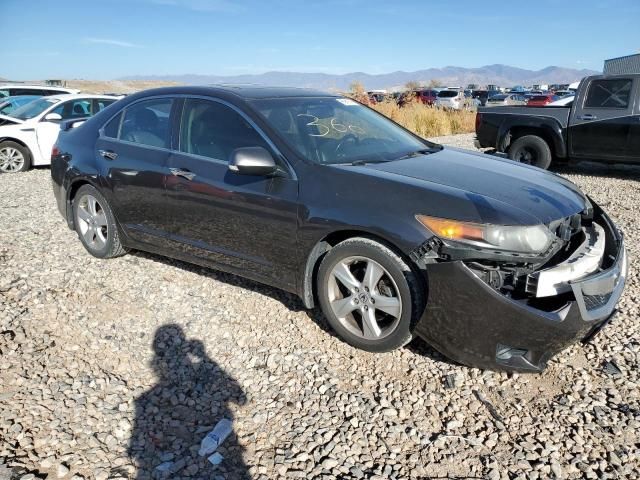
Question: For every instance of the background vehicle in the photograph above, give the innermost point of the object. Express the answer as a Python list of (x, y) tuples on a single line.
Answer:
[(484, 95), (268, 183), (541, 100), (506, 99), (12, 90), (27, 136), (453, 99), (602, 124), (565, 101), (9, 104), (428, 97)]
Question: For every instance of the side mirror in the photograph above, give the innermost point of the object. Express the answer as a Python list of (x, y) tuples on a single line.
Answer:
[(52, 117), (252, 161)]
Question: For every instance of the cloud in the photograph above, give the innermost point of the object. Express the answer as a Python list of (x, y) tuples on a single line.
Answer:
[(204, 5), (110, 41)]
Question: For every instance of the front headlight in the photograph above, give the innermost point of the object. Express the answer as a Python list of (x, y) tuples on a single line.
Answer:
[(519, 239)]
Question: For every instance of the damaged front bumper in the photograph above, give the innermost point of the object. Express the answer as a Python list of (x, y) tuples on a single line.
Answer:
[(473, 323)]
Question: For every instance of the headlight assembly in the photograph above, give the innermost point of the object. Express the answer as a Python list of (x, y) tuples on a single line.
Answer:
[(532, 239)]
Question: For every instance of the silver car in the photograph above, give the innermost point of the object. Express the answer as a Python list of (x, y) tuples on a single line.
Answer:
[(506, 99)]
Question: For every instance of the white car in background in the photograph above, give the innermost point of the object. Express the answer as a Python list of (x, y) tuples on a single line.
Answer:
[(29, 133), (14, 89), (565, 101)]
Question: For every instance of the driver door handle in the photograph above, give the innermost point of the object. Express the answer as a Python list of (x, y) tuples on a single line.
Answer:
[(108, 154), (182, 173), (588, 116)]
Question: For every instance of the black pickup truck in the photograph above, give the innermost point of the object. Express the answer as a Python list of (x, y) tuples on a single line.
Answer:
[(602, 124)]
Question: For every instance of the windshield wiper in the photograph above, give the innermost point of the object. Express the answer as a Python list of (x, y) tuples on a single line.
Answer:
[(365, 162), (417, 153)]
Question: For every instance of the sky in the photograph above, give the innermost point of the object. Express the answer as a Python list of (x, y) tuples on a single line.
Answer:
[(109, 39)]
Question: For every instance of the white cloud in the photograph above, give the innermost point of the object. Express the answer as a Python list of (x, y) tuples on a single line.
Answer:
[(111, 41)]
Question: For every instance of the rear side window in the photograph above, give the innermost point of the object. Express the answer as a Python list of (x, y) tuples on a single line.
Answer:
[(147, 123), (211, 129), (112, 128), (609, 94), (79, 108)]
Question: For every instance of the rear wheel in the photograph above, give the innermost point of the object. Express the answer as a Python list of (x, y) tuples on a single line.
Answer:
[(369, 294), (531, 150), (14, 157), (95, 224)]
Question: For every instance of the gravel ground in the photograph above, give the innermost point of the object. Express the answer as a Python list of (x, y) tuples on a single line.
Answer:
[(117, 369)]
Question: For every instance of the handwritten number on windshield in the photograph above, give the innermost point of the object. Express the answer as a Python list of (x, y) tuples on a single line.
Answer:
[(323, 130)]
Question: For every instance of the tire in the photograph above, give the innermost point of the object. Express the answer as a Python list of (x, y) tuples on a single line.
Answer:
[(353, 305), (95, 224), (531, 150), (14, 157)]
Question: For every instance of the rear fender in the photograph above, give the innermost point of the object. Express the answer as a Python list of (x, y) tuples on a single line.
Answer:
[(547, 128)]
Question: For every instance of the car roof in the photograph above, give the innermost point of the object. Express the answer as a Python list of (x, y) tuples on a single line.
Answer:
[(243, 91), (73, 96), (36, 87)]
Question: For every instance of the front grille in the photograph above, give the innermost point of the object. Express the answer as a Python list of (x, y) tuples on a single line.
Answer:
[(593, 302)]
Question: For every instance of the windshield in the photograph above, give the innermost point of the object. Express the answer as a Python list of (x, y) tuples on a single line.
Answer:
[(497, 98), (33, 109), (331, 130), (447, 93)]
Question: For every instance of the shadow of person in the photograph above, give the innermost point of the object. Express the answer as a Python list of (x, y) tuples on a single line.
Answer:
[(192, 394)]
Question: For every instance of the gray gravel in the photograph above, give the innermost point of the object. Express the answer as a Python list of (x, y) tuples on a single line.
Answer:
[(118, 369)]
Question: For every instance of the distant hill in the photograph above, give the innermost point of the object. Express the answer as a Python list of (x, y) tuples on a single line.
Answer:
[(503, 75)]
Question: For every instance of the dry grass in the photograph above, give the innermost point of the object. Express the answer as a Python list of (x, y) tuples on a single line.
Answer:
[(428, 121)]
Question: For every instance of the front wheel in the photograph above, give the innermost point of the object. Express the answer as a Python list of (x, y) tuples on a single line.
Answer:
[(96, 224), (14, 157), (531, 150), (369, 294)]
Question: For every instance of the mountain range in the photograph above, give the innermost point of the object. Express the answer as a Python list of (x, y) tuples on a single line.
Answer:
[(498, 74)]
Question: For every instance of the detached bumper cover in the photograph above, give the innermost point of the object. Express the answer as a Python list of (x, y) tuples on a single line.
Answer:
[(472, 323)]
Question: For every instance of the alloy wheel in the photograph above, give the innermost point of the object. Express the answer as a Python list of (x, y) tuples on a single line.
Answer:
[(364, 297), (92, 222), (11, 160)]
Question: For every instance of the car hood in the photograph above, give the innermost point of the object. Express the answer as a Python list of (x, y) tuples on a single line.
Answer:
[(7, 120), (535, 192)]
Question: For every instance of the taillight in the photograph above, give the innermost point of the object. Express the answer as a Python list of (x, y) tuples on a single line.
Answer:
[(55, 151), (478, 121)]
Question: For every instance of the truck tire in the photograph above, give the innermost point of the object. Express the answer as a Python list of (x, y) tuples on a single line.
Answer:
[(531, 150)]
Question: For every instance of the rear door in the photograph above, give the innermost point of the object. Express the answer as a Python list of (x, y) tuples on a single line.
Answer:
[(601, 119), (134, 147), (241, 223)]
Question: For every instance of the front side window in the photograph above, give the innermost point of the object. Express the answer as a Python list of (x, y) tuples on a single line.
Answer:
[(213, 130), (80, 108), (337, 130), (101, 104), (609, 94), (112, 128), (147, 123)]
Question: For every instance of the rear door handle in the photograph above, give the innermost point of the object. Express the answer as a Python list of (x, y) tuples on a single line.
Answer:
[(108, 154), (182, 173), (588, 116)]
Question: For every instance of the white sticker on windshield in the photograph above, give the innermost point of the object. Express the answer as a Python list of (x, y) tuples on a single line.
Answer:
[(347, 101)]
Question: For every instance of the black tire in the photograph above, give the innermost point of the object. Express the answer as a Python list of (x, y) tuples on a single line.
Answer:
[(8, 145), (106, 237), (531, 150), (405, 285)]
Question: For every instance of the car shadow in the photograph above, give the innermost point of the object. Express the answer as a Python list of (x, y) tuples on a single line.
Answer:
[(289, 300), (192, 394)]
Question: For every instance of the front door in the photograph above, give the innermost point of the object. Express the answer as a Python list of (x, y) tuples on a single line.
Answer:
[(244, 224), (134, 148), (600, 123)]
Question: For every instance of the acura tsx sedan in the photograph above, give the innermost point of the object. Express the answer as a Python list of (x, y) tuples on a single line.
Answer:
[(496, 264)]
